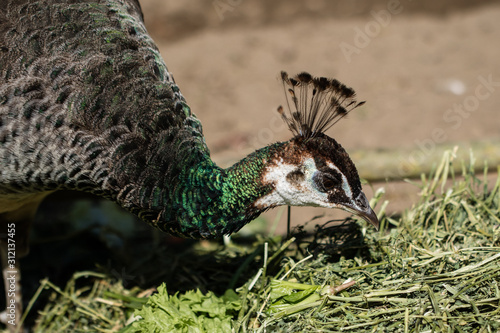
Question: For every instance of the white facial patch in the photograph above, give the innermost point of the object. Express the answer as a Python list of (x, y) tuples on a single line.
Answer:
[(345, 185), (302, 193)]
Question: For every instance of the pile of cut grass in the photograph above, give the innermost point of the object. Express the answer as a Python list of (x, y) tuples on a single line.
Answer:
[(434, 269)]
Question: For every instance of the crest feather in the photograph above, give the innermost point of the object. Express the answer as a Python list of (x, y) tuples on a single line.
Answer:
[(315, 103)]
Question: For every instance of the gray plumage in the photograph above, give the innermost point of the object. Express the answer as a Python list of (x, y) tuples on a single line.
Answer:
[(87, 103)]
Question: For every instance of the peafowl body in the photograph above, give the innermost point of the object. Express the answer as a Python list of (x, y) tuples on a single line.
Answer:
[(87, 104)]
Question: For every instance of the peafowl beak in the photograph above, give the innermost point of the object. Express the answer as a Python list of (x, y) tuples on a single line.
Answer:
[(369, 216), (361, 207)]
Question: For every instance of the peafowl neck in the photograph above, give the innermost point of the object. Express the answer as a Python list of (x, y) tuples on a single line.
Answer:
[(206, 201)]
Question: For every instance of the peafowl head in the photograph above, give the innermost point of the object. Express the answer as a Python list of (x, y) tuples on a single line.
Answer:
[(313, 169)]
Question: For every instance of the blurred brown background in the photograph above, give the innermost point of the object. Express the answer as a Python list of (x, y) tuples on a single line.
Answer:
[(420, 65)]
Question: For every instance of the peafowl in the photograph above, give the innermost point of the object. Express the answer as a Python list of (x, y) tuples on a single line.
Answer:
[(87, 104)]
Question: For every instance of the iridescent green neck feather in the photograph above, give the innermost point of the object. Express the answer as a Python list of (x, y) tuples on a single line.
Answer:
[(210, 202)]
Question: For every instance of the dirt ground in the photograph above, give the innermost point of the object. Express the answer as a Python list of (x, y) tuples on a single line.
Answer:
[(428, 71)]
